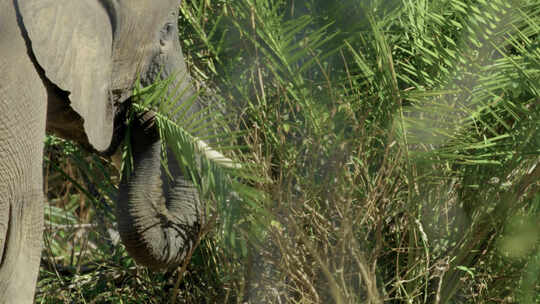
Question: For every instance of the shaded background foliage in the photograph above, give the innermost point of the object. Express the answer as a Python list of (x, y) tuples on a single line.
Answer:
[(397, 142)]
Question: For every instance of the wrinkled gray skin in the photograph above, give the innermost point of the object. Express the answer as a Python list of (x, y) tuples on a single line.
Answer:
[(69, 67)]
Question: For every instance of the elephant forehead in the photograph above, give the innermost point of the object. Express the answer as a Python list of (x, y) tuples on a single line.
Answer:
[(146, 7), (139, 22), (136, 38)]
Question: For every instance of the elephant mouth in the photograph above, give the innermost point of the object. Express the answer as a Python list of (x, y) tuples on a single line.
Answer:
[(122, 99), (121, 95), (121, 106)]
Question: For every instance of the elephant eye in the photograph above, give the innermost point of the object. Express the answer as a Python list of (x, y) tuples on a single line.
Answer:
[(166, 33), (167, 30)]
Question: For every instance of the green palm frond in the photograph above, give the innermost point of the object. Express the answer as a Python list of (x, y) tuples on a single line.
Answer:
[(220, 179), (290, 52), (481, 65)]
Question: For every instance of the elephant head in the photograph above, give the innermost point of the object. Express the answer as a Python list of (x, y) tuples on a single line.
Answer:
[(96, 50), (80, 60)]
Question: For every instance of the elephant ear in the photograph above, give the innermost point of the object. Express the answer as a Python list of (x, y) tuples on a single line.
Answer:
[(72, 42)]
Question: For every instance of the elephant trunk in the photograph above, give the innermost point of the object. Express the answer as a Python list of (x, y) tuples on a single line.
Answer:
[(159, 215)]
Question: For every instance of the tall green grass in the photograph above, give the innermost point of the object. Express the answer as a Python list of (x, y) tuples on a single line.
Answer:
[(394, 154)]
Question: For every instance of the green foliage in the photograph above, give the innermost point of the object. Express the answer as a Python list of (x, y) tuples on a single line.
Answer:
[(397, 155)]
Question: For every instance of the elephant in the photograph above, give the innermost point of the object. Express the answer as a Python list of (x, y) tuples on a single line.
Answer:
[(70, 67)]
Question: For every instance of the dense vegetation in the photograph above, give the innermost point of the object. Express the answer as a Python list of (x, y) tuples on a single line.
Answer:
[(391, 153)]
